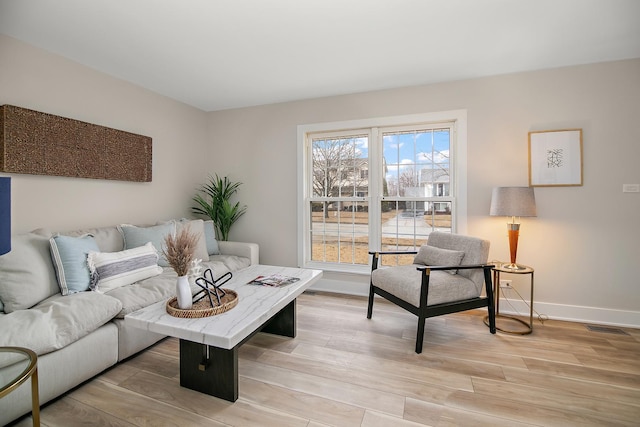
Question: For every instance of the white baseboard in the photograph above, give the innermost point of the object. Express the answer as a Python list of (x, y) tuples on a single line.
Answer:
[(341, 287), (572, 313)]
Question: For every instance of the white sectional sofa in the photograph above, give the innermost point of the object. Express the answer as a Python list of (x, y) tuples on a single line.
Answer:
[(77, 332)]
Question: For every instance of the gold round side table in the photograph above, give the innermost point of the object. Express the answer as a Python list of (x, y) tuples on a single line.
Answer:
[(497, 270), (26, 365)]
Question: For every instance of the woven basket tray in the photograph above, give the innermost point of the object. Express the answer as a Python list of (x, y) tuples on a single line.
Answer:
[(202, 308)]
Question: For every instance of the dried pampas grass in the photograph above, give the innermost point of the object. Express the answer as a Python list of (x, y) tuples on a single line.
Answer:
[(179, 250)]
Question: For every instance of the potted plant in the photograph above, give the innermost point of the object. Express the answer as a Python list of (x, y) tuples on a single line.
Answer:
[(216, 204)]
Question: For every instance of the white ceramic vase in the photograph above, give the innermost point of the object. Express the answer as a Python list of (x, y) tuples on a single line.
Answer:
[(183, 293)]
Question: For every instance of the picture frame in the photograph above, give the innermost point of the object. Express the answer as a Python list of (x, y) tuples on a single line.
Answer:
[(555, 158)]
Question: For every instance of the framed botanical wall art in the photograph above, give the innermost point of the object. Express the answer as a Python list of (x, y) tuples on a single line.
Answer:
[(555, 158)]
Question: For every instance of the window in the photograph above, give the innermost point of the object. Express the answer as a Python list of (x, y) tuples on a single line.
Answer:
[(379, 185), (416, 178), (338, 222)]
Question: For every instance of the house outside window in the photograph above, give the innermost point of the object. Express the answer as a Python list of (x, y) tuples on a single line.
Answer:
[(386, 186)]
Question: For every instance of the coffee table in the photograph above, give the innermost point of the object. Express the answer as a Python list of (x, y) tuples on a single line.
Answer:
[(209, 345)]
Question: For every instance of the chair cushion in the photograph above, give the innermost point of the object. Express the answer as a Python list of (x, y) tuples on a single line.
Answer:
[(431, 255), (476, 251), (405, 282)]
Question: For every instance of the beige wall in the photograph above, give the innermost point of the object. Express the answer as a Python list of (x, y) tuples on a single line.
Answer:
[(35, 79), (584, 242)]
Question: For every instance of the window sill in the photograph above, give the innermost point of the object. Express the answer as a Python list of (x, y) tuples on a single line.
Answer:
[(360, 270)]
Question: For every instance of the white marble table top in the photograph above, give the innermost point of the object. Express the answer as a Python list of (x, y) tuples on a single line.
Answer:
[(256, 304)]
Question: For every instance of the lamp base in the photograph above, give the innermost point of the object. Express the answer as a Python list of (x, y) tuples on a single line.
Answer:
[(513, 266)]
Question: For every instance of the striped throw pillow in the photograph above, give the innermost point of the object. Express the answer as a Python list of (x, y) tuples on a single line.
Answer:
[(111, 270)]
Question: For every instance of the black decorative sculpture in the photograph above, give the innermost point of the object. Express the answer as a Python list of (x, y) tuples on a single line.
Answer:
[(210, 287)]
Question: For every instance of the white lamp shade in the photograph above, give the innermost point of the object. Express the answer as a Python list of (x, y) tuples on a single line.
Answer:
[(513, 201)]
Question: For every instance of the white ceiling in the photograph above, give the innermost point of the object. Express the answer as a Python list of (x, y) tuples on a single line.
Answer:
[(217, 54)]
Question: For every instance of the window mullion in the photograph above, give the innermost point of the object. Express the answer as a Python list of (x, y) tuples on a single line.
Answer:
[(376, 174)]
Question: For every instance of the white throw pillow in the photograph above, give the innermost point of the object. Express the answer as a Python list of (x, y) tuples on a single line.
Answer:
[(210, 236), (196, 227)]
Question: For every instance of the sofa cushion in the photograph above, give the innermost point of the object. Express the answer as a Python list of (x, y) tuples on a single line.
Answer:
[(218, 268), (162, 287), (405, 282), (431, 255), (137, 236), (108, 239), (69, 255), (145, 292), (210, 236), (58, 321), (231, 263), (26, 273), (110, 270)]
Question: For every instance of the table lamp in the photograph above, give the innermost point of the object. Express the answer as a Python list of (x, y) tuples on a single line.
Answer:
[(513, 202), (5, 215)]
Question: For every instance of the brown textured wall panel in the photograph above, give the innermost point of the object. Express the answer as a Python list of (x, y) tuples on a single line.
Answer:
[(43, 144)]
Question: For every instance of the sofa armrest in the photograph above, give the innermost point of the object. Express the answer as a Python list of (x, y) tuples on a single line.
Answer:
[(247, 250)]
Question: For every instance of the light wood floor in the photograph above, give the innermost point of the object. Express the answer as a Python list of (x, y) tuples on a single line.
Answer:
[(345, 370)]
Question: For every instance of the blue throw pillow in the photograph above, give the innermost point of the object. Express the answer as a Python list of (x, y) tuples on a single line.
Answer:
[(69, 255), (134, 237)]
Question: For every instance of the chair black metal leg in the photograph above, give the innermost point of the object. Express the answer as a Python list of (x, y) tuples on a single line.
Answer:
[(420, 335), (370, 307), (492, 320), (490, 300)]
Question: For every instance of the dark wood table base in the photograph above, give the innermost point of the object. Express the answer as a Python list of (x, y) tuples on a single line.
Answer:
[(214, 370)]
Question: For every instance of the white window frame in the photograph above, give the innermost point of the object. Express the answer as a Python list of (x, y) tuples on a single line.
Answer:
[(458, 190)]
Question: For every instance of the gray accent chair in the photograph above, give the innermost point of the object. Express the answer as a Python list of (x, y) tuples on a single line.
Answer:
[(446, 277)]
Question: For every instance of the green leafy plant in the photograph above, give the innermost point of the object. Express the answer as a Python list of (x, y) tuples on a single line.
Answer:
[(215, 203)]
